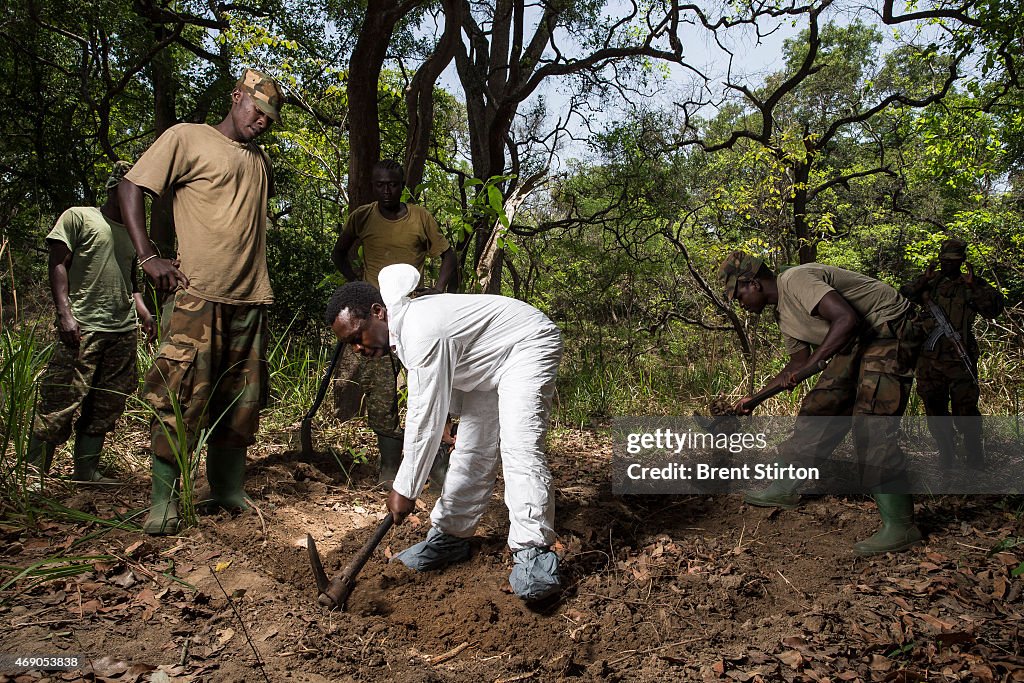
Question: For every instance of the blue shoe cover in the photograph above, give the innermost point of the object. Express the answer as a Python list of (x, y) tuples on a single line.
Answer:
[(439, 550), (535, 573)]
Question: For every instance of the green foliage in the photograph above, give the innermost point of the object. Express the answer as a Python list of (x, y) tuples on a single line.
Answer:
[(23, 355)]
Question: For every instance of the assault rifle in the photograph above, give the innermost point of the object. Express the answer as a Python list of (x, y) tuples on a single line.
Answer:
[(943, 328)]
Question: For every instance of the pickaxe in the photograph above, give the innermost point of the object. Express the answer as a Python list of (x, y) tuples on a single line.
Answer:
[(335, 592)]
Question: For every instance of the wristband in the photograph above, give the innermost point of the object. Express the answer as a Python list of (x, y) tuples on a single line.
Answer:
[(148, 258)]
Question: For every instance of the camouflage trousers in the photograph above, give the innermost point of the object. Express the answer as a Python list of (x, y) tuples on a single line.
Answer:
[(373, 378), (212, 370), (93, 380), (946, 389), (869, 382), (943, 383)]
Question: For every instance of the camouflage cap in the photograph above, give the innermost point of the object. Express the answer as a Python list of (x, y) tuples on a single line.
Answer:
[(120, 169), (953, 250), (738, 265), (265, 92)]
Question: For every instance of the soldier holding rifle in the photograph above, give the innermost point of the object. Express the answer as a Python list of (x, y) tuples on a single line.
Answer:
[(948, 366)]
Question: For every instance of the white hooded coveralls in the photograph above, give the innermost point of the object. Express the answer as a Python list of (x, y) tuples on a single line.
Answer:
[(500, 357)]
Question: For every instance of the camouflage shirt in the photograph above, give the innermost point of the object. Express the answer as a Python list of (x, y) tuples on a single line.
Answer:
[(961, 304)]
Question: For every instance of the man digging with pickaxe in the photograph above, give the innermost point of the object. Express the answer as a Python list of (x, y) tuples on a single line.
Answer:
[(870, 336), (496, 356)]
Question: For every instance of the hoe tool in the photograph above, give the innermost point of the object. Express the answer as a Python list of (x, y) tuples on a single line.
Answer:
[(335, 592), (306, 432), (722, 410)]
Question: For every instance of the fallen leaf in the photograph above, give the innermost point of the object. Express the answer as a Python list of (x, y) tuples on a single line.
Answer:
[(791, 658), (949, 639), (935, 622), (125, 579), (880, 663), (108, 667), (221, 566), (136, 672)]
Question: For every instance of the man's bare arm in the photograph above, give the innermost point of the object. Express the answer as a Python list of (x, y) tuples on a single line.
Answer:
[(340, 257), (446, 277), (165, 275), (58, 264)]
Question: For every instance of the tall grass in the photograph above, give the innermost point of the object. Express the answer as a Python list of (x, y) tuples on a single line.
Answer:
[(23, 355)]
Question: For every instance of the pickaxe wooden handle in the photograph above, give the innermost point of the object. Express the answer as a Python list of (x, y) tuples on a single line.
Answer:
[(335, 592)]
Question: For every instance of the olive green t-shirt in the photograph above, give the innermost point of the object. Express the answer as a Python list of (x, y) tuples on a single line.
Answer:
[(100, 276), (801, 289), (386, 242), (220, 209)]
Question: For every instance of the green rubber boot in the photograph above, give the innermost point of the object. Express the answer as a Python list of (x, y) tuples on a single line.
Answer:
[(87, 461), (225, 470), (163, 515), (898, 530), (40, 454), (781, 493), (390, 458)]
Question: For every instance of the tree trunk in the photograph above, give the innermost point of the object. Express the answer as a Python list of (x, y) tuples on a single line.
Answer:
[(420, 100), (363, 114), (807, 244)]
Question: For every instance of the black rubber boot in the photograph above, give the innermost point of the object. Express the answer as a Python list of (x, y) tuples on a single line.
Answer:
[(40, 454), (225, 470), (973, 448), (898, 530), (88, 449), (163, 515), (390, 458), (941, 428)]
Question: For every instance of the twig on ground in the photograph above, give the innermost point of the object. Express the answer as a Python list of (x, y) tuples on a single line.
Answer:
[(183, 660), (450, 654), (517, 677), (263, 522), (259, 659), (634, 653)]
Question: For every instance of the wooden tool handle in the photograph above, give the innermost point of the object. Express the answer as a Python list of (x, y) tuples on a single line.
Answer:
[(765, 394), (340, 587)]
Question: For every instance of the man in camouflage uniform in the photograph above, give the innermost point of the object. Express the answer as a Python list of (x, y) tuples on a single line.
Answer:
[(869, 334), (390, 231), (211, 369), (92, 370), (942, 376)]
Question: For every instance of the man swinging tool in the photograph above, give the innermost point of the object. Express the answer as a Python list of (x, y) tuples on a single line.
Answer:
[(868, 333), (947, 369), (499, 356)]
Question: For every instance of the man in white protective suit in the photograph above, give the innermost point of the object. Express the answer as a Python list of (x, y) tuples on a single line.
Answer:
[(496, 356)]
